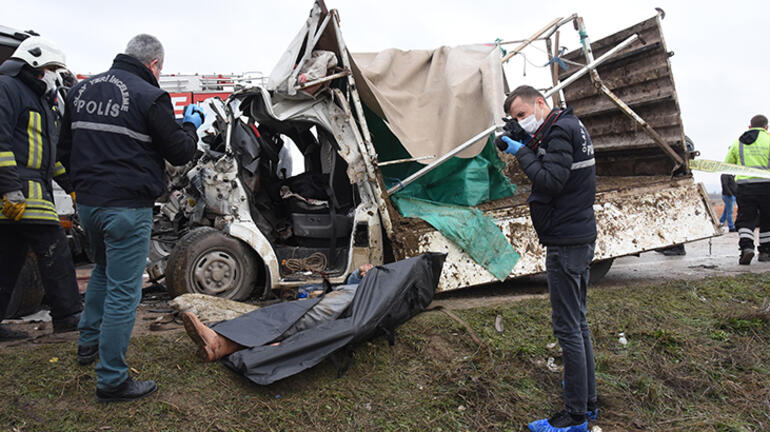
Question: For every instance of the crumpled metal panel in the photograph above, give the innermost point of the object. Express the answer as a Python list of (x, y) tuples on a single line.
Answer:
[(281, 78), (323, 112), (629, 221), (641, 76)]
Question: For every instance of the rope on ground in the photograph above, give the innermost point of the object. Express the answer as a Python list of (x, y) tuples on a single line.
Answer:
[(315, 263)]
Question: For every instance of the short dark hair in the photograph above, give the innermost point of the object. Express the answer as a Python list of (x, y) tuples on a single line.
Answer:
[(527, 93), (758, 121)]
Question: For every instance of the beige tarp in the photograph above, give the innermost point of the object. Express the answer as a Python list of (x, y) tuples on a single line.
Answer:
[(435, 100)]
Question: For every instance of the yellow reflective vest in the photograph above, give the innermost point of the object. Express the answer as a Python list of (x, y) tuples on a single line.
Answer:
[(752, 149)]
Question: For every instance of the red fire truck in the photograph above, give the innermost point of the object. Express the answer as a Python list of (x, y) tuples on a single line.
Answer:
[(187, 89)]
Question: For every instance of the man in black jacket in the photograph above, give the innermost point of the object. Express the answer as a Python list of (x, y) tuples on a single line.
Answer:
[(729, 191), (118, 128), (562, 170)]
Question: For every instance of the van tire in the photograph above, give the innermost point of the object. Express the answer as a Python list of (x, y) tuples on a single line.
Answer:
[(28, 291), (599, 269), (208, 261)]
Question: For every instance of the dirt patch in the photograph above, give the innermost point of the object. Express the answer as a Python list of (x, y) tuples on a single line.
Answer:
[(151, 317), (441, 350)]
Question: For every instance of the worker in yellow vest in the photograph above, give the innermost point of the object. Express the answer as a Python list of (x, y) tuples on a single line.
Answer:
[(752, 149)]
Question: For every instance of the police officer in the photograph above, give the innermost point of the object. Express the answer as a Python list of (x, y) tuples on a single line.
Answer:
[(29, 130), (752, 149), (559, 160), (119, 126)]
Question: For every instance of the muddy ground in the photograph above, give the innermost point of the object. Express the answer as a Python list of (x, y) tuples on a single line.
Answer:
[(714, 257)]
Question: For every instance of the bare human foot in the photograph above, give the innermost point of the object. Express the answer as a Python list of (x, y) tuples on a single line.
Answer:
[(211, 345)]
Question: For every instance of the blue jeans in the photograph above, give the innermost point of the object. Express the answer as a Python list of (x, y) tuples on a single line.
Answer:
[(567, 271), (727, 213), (120, 240)]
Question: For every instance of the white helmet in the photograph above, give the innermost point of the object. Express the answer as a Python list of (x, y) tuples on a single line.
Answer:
[(39, 52)]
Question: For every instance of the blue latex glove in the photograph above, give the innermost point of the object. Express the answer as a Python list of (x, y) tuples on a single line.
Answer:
[(513, 146), (193, 114)]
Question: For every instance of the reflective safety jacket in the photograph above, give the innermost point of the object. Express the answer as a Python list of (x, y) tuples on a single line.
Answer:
[(29, 131), (752, 150)]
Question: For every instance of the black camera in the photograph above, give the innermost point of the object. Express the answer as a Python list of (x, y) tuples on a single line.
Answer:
[(513, 130)]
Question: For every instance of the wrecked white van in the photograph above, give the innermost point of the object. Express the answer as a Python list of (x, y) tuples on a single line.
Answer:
[(303, 179)]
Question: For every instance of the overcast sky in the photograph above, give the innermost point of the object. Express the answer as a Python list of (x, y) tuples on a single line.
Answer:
[(721, 64)]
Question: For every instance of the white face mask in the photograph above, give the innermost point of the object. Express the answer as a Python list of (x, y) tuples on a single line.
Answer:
[(531, 123), (51, 80), (52, 85)]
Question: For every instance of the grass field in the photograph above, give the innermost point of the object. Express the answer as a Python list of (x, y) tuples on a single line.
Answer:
[(697, 358)]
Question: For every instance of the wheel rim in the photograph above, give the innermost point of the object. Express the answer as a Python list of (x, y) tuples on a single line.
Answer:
[(215, 272)]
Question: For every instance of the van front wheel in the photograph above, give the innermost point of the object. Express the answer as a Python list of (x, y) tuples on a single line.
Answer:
[(208, 261)]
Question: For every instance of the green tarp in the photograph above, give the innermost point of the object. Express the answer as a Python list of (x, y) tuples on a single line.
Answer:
[(445, 197), (467, 227)]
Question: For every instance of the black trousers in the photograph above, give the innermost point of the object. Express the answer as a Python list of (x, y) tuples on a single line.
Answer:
[(57, 271), (753, 205), (567, 271)]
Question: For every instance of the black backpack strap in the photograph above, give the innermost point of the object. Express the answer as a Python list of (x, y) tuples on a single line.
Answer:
[(550, 119)]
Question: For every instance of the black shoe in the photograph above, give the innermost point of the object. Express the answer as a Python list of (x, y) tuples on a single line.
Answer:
[(87, 354), (564, 419), (733, 230), (128, 391), (7, 333), (66, 324), (746, 256), (764, 256), (561, 422)]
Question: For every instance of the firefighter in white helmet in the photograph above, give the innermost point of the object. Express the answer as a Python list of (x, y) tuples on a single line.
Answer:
[(30, 119)]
